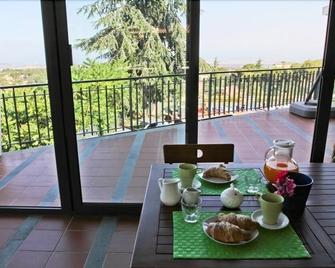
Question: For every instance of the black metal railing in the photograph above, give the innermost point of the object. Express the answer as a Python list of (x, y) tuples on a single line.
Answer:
[(127, 104)]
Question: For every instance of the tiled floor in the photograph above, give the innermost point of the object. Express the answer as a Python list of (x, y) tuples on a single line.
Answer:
[(62, 241), (115, 168)]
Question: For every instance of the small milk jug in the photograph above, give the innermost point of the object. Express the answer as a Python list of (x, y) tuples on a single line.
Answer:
[(170, 194)]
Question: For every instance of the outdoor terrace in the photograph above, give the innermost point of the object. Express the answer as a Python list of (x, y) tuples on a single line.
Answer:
[(115, 168)]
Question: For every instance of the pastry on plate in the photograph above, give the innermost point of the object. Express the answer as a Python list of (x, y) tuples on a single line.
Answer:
[(217, 172), (242, 221), (226, 232)]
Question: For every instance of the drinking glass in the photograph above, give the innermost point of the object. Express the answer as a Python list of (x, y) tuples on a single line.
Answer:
[(191, 211), (252, 183)]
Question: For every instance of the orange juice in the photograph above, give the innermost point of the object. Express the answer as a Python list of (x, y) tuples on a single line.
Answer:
[(272, 168)]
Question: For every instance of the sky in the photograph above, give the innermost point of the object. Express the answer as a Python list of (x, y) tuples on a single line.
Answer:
[(236, 32)]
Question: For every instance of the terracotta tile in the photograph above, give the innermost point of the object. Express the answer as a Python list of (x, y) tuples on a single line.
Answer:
[(29, 259), (5, 234), (122, 241), (53, 222), (97, 194), (82, 223), (119, 260), (76, 241), (67, 260), (10, 221), (41, 240)]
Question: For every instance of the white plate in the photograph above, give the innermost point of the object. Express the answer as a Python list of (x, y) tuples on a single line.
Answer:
[(254, 233), (216, 180), (283, 221), (196, 184)]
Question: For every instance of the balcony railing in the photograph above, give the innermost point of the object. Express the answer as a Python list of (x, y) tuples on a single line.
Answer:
[(127, 104)]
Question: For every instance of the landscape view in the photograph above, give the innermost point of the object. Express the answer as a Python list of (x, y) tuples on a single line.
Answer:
[(138, 64)]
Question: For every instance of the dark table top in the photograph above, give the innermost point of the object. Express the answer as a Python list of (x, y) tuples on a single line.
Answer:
[(316, 228)]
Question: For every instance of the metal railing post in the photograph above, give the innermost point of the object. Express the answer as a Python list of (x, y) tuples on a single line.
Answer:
[(269, 91), (210, 95)]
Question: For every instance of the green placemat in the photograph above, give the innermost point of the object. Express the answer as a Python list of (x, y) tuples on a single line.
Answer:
[(190, 242), (208, 188)]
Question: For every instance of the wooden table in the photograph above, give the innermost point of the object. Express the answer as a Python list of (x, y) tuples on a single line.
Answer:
[(316, 228)]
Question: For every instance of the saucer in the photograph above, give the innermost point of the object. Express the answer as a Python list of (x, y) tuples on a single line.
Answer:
[(282, 222), (196, 184)]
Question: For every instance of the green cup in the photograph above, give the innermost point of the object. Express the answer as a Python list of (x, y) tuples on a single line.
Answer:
[(271, 205), (187, 173)]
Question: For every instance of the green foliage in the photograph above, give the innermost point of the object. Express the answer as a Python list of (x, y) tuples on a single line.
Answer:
[(148, 35), (253, 66)]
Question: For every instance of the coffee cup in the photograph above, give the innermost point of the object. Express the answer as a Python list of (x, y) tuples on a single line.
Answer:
[(187, 173), (271, 205)]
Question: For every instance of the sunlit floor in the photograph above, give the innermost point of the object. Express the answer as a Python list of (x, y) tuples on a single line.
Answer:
[(115, 168)]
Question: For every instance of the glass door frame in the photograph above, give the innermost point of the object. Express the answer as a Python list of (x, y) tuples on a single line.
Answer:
[(59, 60)]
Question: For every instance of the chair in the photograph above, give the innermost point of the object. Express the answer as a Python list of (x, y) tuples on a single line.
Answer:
[(196, 153)]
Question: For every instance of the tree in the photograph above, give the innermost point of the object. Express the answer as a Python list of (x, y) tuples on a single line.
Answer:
[(148, 35)]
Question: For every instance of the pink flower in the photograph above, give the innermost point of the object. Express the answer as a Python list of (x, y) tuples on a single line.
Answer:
[(284, 184)]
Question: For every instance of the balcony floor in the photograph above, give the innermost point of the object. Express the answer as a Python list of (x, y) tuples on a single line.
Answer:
[(115, 168)]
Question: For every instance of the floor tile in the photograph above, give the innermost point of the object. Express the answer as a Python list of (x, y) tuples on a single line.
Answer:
[(41, 240), (29, 259), (84, 223), (119, 260), (53, 222), (122, 241), (76, 241), (67, 260), (5, 234)]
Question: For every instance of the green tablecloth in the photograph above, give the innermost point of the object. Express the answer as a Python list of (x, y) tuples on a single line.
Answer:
[(190, 242), (208, 188)]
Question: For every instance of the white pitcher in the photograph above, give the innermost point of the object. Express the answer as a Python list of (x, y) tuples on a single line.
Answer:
[(170, 194)]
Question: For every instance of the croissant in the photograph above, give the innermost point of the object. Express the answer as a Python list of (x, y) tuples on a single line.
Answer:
[(227, 232), (242, 221), (219, 172)]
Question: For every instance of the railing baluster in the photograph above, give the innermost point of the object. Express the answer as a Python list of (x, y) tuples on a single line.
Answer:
[(82, 111), (17, 118), (252, 91), (203, 97), (150, 100), (256, 92), (6, 120), (114, 106), (37, 118), (99, 113), (156, 108), (174, 99), (220, 88), (234, 94), (229, 92), (137, 101), (247, 93), (238, 108), (224, 95), (46, 113), (107, 110), (296, 87), (168, 99), (243, 93), (210, 96), (122, 108), (180, 97), (27, 116), (90, 107), (162, 84), (131, 105), (269, 90), (214, 97), (289, 88), (143, 105), (284, 88), (273, 89)]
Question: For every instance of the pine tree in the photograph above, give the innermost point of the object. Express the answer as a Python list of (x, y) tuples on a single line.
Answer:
[(147, 35)]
